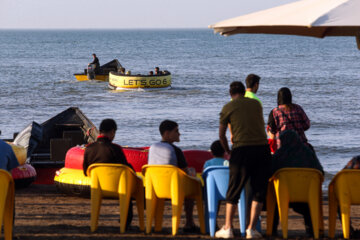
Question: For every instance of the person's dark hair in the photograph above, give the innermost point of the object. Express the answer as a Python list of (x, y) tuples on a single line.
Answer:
[(251, 80), (237, 87), (284, 97), (94, 54), (107, 125), (167, 125), (217, 149)]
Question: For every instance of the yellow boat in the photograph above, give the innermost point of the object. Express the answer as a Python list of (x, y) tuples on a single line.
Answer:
[(103, 74), (84, 77), (118, 81)]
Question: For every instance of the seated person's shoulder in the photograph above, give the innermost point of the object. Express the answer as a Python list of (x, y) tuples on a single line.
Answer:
[(4, 146), (116, 145), (216, 162), (158, 145), (90, 145), (354, 163), (175, 147)]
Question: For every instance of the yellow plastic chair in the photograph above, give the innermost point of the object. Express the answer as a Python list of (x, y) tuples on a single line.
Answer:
[(117, 181), (170, 182), (7, 197), (344, 191), (295, 185)]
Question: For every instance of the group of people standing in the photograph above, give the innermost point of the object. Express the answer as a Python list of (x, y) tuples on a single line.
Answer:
[(250, 157)]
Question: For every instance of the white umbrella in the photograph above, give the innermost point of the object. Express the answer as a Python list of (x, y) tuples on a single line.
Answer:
[(315, 18)]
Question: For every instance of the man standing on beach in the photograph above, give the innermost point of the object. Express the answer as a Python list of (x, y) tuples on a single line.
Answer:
[(250, 156), (166, 153), (252, 82), (104, 151), (252, 85)]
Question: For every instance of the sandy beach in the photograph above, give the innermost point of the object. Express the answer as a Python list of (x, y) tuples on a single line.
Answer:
[(44, 213)]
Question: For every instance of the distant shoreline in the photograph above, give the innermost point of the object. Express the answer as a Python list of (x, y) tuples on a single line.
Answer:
[(104, 29)]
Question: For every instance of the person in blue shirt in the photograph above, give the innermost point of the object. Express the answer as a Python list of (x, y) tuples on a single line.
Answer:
[(8, 159), (218, 152)]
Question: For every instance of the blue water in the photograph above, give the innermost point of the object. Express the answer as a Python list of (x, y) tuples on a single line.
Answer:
[(37, 82)]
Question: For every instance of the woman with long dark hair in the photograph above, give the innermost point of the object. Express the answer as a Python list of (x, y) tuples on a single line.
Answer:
[(287, 115)]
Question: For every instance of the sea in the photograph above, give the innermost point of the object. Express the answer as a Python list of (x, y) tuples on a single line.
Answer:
[(37, 82)]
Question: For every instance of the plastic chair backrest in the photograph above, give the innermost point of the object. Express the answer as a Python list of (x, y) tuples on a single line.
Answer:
[(110, 176), (348, 181), (299, 181), (170, 182), (295, 185), (7, 193), (220, 177), (344, 191), (216, 180), (164, 178), (5, 179), (117, 181)]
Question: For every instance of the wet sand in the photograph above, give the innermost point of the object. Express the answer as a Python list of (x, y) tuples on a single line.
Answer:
[(44, 213)]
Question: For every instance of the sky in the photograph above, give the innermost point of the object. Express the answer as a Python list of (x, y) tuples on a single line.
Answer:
[(124, 14)]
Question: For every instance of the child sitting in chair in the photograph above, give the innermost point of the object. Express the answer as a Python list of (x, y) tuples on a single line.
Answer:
[(218, 152)]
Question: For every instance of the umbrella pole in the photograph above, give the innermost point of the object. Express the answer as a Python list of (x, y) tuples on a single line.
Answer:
[(358, 41)]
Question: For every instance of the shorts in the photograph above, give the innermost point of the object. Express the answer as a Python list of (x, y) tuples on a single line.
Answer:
[(246, 162)]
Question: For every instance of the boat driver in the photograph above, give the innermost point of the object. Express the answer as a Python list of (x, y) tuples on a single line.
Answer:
[(96, 63)]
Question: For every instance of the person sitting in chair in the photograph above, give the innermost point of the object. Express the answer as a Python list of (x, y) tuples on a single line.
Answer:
[(218, 152), (166, 153), (294, 153), (104, 151)]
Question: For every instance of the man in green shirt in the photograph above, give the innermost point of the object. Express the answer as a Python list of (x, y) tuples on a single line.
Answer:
[(252, 85), (250, 156)]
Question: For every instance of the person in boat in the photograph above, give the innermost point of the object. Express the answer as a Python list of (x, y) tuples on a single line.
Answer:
[(166, 153), (122, 70), (96, 62), (250, 156), (8, 159), (104, 151), (157, 71)]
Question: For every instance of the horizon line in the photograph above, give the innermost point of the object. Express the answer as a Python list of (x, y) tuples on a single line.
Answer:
[(96, 29)]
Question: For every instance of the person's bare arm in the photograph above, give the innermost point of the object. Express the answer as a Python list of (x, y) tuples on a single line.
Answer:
[(223, 139)]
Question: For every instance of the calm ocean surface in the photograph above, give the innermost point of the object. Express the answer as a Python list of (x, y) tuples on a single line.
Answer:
[(37, 82)]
